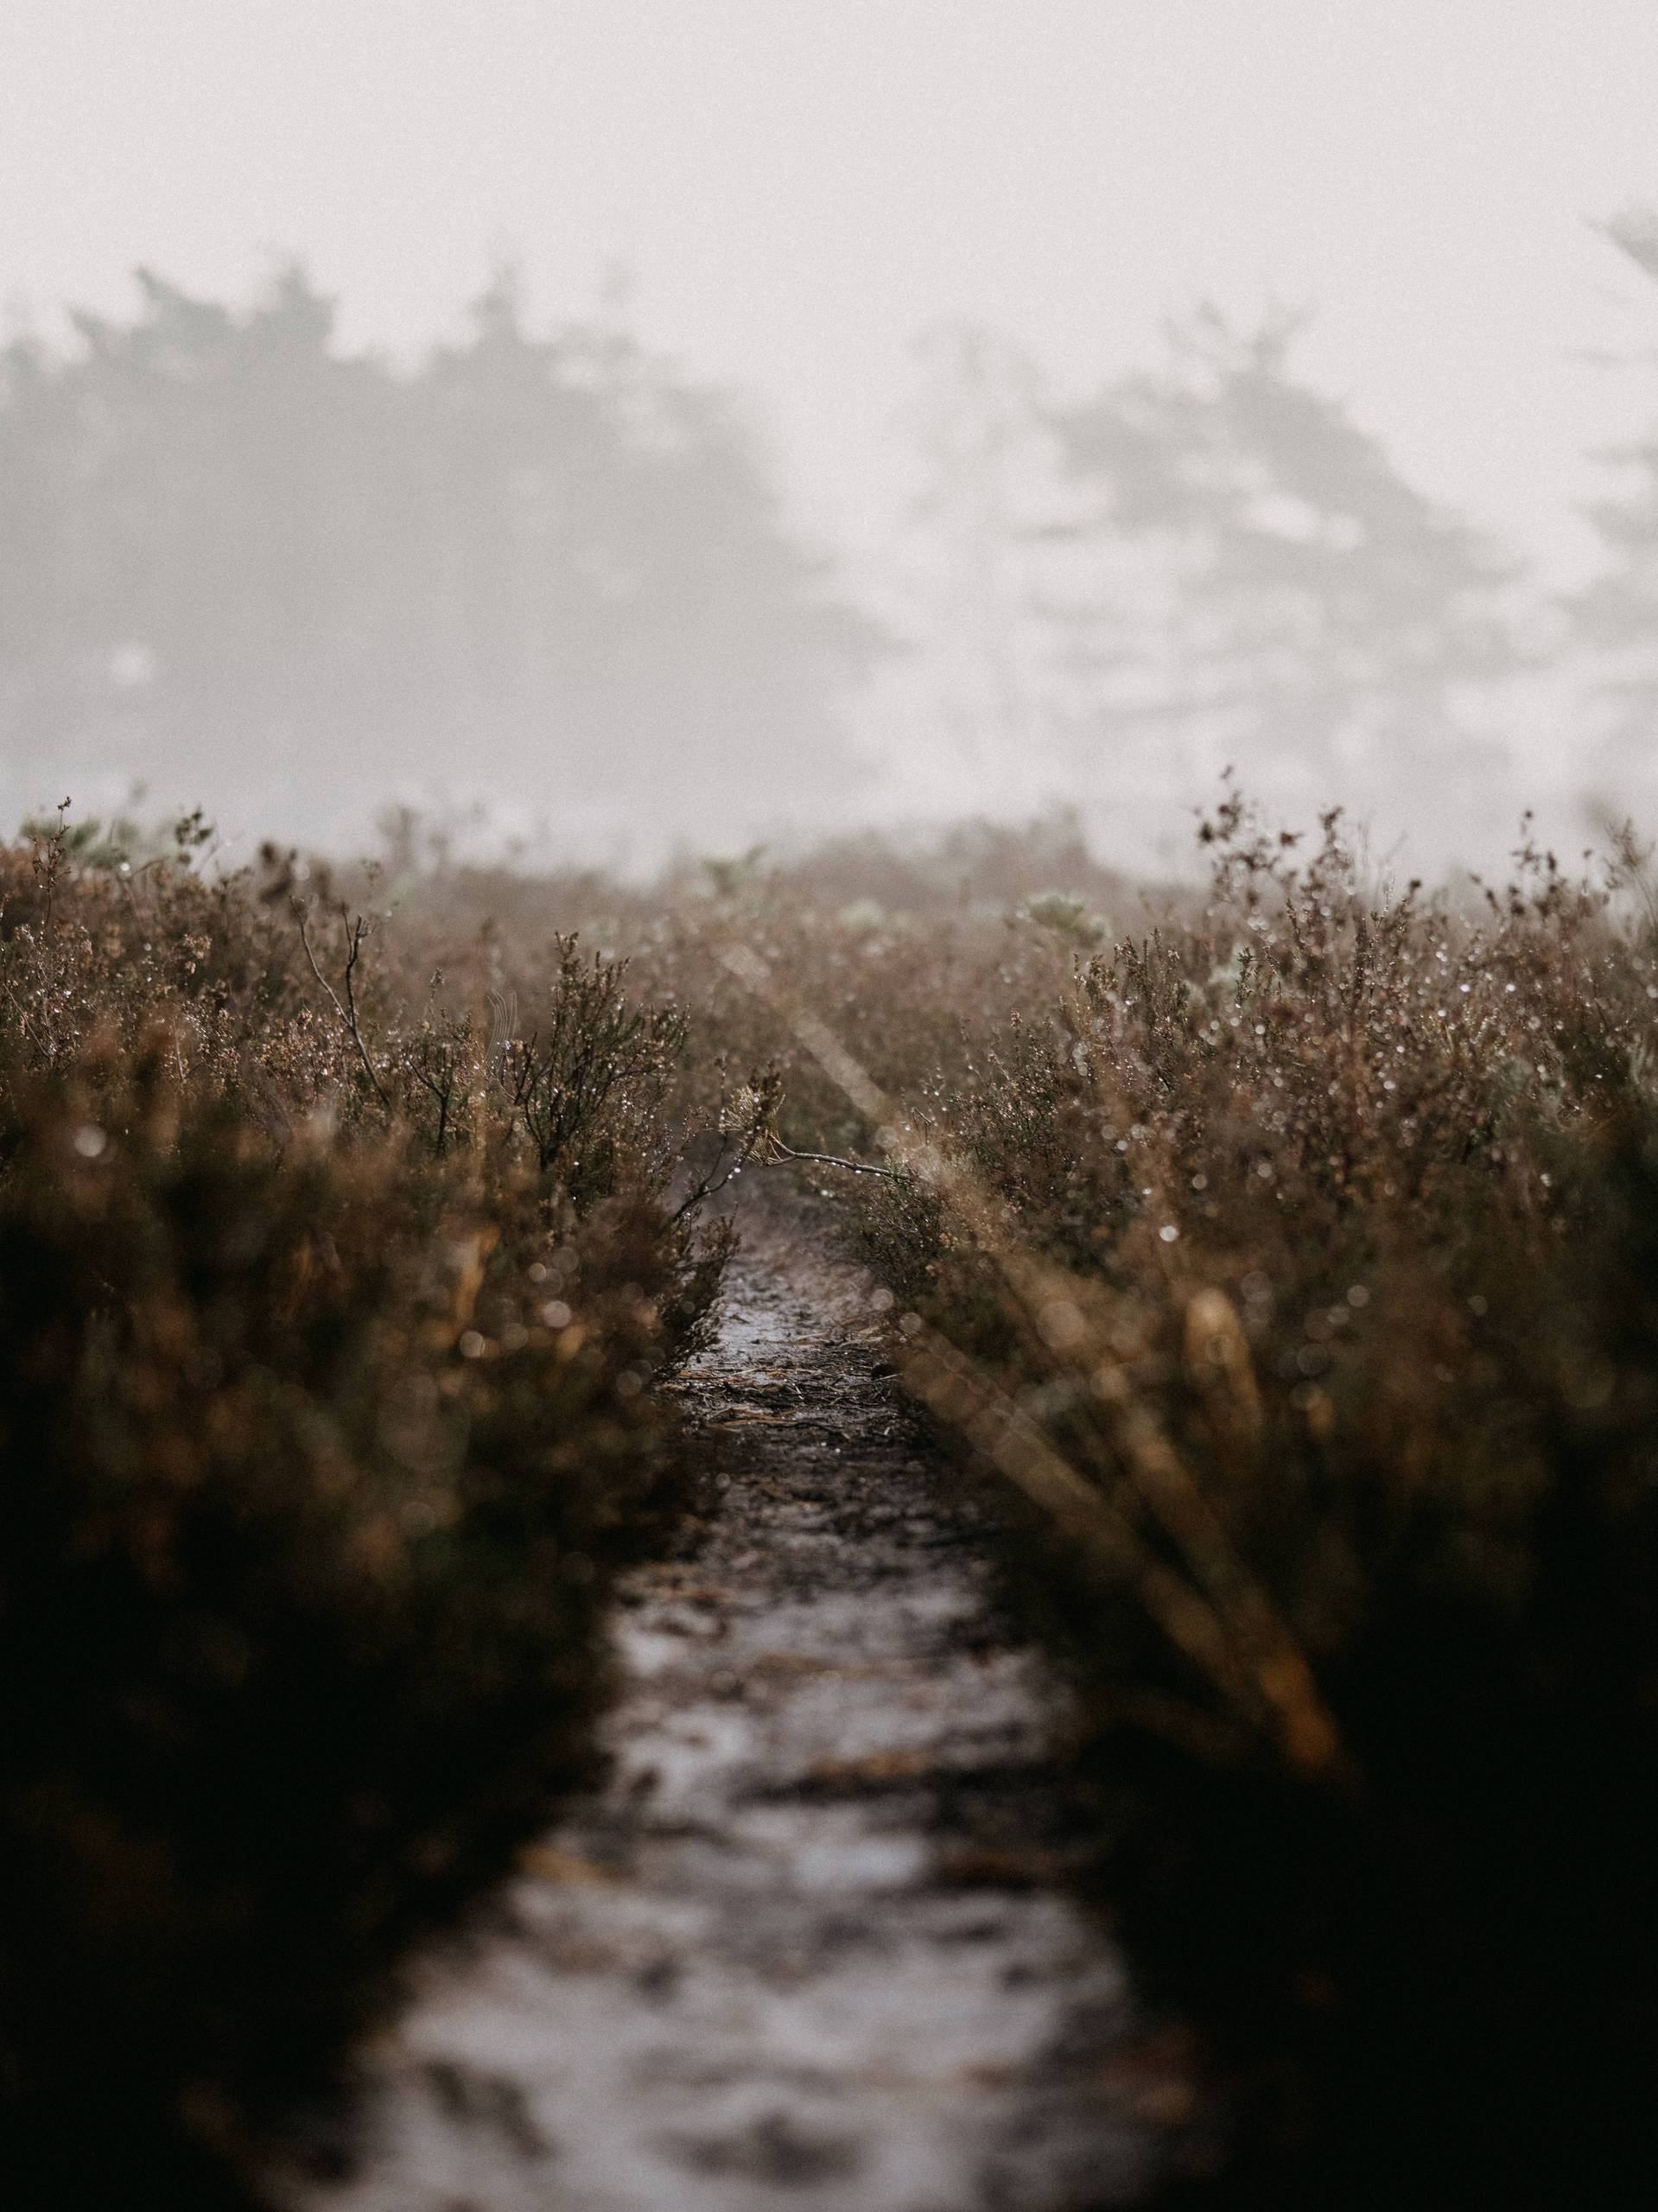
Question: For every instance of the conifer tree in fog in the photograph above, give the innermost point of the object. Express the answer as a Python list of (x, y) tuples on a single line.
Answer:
[(1238, 573), (1617, 616), (194, 510), (232, 556), (613, 568)]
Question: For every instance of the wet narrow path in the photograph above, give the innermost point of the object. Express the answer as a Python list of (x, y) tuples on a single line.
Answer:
[(807, 1947)]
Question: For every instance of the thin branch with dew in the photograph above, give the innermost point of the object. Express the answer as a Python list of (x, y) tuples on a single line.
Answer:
[(355, 936)]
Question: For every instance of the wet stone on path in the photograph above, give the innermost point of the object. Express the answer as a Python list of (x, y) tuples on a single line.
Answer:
[(810, 1945)]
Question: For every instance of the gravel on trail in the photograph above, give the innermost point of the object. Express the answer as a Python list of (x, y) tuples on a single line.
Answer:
[(811, 1944)]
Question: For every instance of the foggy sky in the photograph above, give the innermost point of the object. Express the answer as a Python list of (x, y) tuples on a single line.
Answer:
[(800, 185)]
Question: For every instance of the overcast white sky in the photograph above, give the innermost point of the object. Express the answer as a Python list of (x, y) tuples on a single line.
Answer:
[(803, 184)]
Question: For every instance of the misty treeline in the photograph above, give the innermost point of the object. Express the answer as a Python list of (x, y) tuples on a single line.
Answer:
[(237, 556), (1210, 560), (541, 561), (1203, 562)]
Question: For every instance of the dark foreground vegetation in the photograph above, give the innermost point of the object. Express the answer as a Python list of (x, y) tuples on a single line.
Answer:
[(330, 1315), (1281, 1254)]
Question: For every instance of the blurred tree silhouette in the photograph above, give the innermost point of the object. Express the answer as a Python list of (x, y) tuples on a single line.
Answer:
[(1238, 571), (1617, 617), (230, 552)]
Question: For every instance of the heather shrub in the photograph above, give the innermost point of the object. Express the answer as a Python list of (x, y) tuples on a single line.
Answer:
[(903, 944), (328, 1357), (1296, 1262)]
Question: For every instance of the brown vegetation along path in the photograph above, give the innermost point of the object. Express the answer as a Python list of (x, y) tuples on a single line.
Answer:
[(809, 1946)]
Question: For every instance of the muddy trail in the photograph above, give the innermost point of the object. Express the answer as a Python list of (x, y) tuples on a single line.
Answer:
[(810, 1945)]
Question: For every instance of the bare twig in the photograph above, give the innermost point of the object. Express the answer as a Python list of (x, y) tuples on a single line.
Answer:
[(356, 935), (781, 1151), (708, 1186)]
